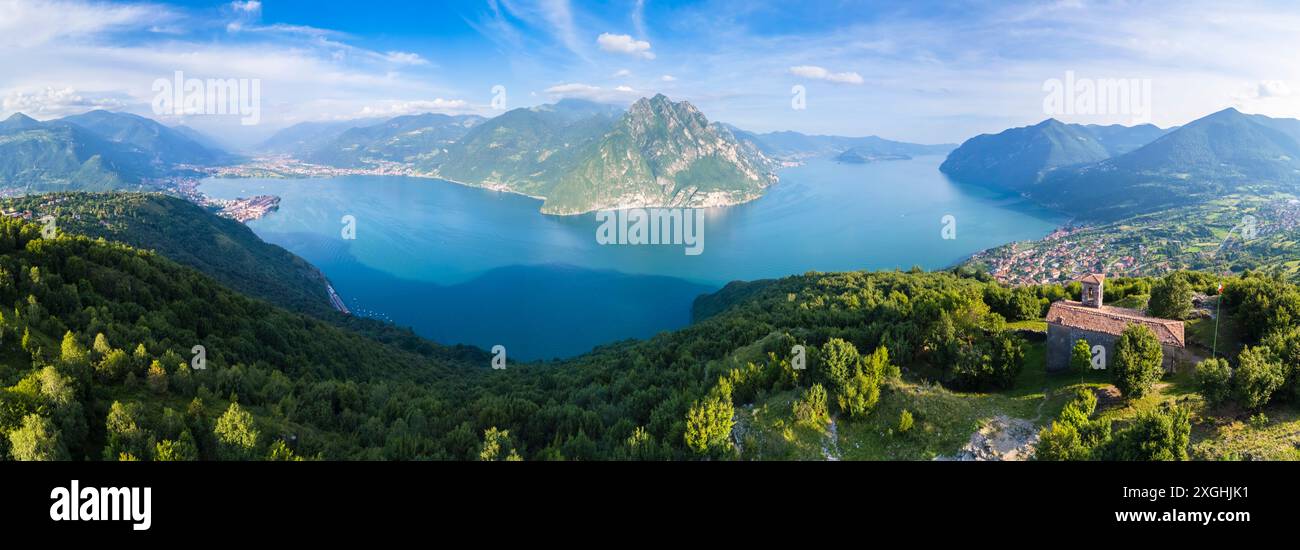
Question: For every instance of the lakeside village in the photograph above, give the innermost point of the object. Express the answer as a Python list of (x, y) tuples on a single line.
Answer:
[(1200, 239)]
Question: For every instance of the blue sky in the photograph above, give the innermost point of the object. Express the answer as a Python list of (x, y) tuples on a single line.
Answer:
[(918, 71)]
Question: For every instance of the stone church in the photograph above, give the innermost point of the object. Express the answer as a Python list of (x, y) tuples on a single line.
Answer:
[(1101, 325)]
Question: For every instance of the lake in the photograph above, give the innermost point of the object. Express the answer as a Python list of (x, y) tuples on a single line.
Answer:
[(466, 265)]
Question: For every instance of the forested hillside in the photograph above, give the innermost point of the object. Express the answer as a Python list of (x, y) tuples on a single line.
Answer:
[(97, 344)]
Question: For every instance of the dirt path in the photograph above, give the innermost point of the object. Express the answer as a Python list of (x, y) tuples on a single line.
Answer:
[(831, 446)]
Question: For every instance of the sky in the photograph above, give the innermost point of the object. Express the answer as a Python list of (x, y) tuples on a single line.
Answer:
[(928, 72)]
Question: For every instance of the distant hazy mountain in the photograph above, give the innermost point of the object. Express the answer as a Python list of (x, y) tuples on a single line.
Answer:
[(1217, 154), (864, 155), (795, 146), (163, 145), (211, 143), (406, 139), (1018, 158), (57, 155), (1118, 139), (305, 137)]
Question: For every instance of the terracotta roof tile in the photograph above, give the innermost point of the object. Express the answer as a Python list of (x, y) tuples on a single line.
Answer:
[(1113, 320)]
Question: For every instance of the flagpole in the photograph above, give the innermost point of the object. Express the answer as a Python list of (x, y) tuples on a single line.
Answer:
[(1218, 313)]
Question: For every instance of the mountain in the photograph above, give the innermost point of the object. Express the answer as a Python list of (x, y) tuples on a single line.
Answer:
[(404, 139), (207, 141), (582, 156), (794, 146), (56, 155), (304, 138), (224, 249), (864, 155), (1118, 139), (162, 145), (661, 153), (1017, 158), (1218, 154), (526, 150)]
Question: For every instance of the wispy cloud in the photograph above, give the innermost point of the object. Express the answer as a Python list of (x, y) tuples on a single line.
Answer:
[(33, 23)]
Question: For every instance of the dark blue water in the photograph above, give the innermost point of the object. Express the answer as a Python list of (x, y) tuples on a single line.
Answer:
[(467, 265)]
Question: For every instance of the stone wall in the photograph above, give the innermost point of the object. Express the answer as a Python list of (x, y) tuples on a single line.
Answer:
[(1061, 339)]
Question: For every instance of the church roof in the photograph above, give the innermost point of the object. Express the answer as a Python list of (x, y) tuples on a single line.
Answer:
[(1113, 320), (1094, 278)]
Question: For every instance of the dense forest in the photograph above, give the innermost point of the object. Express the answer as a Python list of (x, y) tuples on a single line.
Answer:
[(98, 361)]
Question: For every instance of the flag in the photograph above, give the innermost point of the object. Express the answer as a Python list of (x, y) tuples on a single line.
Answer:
[(1220, 287)]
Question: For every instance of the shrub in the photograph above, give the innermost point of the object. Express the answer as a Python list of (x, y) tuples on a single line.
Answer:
[(1258, 376), (1259, 421), (1214, 377), (1138, 356), (811, 407), (1155, 436)]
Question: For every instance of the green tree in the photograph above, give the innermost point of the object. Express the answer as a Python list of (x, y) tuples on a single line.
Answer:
[(1171, 297), (1259, 374), (114, 366), (236, 434), (101, 346), (37, 439), (905, 421), (811, 408), (709, 422), (182, 449), (1025, 304), (1081, 357), (156, 378), (840, 359), (124, 434), (1060, 441), (497, 446), (1138, 357), (860, 395), (280, 452), (1155, 436), (1214, 376)]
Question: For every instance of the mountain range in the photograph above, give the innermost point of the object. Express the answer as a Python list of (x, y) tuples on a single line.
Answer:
[(794, 146), (94, 151), (1111, 172), (581, 156), (577, 155)]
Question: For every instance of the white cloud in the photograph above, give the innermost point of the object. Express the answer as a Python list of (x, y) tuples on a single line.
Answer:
[(590, 92), (405, 58), (622, 73), (820, 73), (624, 44), (251, 6), (56, 102), (1273, 88), (668, 78), (398, 108)]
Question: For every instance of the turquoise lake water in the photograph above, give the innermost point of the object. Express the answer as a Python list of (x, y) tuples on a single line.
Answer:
[(467, 265)]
